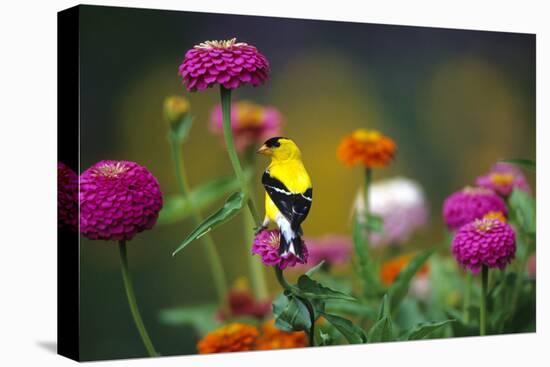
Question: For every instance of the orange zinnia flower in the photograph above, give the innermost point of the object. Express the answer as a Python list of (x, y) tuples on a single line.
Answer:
[(391, 268), (366, 147), (495, 215), (273, 338), (233, 337)]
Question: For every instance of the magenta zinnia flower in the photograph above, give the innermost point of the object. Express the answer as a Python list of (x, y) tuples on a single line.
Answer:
[(469, 204), (503, 178), (333, 249), (227, 63), (488, 242), (266, 244), (67, 197), (251, 123), (117, 200)]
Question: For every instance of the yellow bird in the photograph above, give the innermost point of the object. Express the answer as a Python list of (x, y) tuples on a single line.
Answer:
[(288, 193)]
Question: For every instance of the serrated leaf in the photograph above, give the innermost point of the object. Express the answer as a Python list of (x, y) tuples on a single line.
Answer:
[(291, 314), (523, 205), (312, 289), (232, 206), (422, 331), (521, 162), (313, 269), (200, 317), (353, 333), (178, 207), (400, 287)]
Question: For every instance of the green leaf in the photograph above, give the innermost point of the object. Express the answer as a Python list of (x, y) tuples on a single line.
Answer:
[(232, 205), (200, 317), (326, 339), (314, 290), (178, 207), (400, 287), (312, 270), (352, 308), (523, 205), (525, 163), (383, 330), (422, 331), (291, 314), (350, 331)]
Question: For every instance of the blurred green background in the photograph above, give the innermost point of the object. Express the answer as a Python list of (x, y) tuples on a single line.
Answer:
[(454, 101)]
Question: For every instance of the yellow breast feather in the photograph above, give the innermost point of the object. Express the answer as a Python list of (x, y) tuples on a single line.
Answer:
[(292, 174)]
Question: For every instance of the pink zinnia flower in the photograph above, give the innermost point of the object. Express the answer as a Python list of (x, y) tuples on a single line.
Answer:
[(333, 249), (266, 244), (67, 197), (488, 242), (503, 178), (117, 200), (469, 204), (227, 63), (250, 122)]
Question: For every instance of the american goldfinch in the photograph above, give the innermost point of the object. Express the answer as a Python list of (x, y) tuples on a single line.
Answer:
[(288, 193)]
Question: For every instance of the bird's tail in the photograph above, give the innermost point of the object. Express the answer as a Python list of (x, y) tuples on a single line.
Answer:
[(293, 244)]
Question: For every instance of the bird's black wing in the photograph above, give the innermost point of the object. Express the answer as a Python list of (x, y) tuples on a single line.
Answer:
[(295, 207)]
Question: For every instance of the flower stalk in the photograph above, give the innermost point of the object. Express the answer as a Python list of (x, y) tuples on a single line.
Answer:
[(256, 271), (212, 255), (132, 301), (483, 304), (292, 290)]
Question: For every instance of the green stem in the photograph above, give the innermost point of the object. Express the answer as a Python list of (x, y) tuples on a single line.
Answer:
[(211, 253), (255, 266), (368, 179), (230, 142), (132, 301), (483, 303), (467, 297), (293, 290)]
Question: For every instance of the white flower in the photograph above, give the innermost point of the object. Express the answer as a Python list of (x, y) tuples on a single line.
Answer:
[(401, 204)]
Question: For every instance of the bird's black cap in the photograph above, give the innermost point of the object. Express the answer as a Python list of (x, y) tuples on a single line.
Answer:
[(273, 142)]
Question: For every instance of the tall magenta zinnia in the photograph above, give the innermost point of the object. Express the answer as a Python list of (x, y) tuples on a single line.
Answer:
[(469, 204), (118, 199), (503, 178), (67, 197), (227, 63)]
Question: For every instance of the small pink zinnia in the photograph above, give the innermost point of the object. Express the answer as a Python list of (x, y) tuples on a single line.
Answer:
[(67, 197), (503, 178), (469, 204), (266, 245), (118, 199), (333, 249), (488, 242), (227, 63), (251, 123)]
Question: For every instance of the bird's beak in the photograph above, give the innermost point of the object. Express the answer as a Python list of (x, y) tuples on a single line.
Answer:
[(264, 150)]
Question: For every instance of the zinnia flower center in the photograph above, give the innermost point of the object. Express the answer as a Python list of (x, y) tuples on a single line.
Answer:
[(274, 240), (249, 115), (111, 170), (484, 225), (220, 44), (366, 136), (476, 190), (502, 178)]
